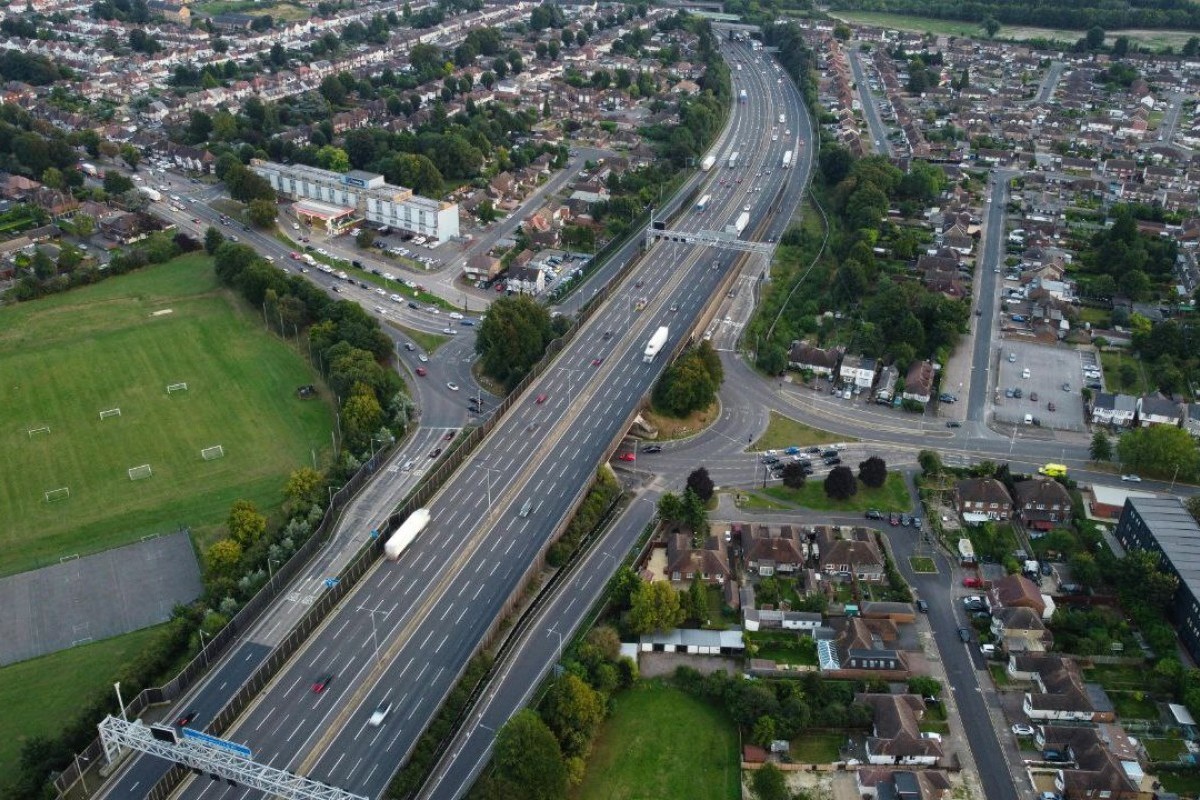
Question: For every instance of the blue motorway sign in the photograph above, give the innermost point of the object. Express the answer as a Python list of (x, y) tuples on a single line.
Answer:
[(221, 744), (331, 582)]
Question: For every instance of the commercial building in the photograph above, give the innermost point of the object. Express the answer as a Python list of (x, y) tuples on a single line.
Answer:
[(365, 194), (1162, 525)]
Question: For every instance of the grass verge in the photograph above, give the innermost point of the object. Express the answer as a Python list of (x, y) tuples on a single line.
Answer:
[(892, 496), (783, 432), (923, 564), (429, 342), (632, 757), (118, 345), (682, 427)]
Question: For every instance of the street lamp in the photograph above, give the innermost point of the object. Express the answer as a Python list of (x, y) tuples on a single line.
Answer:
[(489, 471), (270, 572), (82, 773), (203, 646), (374, 629)]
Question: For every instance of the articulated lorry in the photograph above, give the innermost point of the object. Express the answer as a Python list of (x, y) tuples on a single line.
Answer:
[(404, 535), (655, 344), (787, 159), (702, 203), (738, 225), (707, 163)]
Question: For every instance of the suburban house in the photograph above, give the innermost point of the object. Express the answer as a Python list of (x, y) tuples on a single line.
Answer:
[(806, 358), (858, 371), (1017, 591), (526, 279), (710, 562), (1020, 630), (1059, 693), (767, 551), (1104, 762), (482, 267), (1117, 410), (895, 736), (1042, 503), (1154, 409), (754, 619), (982, 499), (887, 784), (859, 558), (885, 386), (918, 383), (863, 646)]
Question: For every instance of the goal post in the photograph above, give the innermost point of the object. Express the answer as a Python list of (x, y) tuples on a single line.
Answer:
[(140, 472), (176, 387), (36, 431), (110, 412), (214, 452), (61, 493)]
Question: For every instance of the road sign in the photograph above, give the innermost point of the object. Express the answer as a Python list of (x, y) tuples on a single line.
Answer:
[(221, 744), (331, 582)]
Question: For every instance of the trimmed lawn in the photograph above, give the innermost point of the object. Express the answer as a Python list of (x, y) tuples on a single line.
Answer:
[(999, 674), (1114, 677), (784, 647), (922, 564), (1164, 749), (1112, 363), (783, 432), (429, 342), (1133, 705), (40, 694), (817, 748), (660, 742), (118, 344), (892, 496), (1099, 317), (1183, 783)]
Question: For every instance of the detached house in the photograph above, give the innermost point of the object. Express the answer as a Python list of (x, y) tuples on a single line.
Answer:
[(685, 562), (806, 358), (766, 551), (1096, 771), (857, 371), (895, 734), (1017, 591), (982, 499), (1059, 693), (1042, 504), (918, 384), (1020, 630), (858, 558)]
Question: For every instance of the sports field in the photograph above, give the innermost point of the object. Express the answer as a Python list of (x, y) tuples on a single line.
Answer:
[(118, 345)]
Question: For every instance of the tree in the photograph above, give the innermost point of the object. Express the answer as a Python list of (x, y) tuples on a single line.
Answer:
[(303, 487), (333, 158), (262, 213), (794, 475), (572, 710), (1161, 450), (700, 483), (223, 557), (361, 414), (131, 156), (115, 183), (873, 472), (246, 525), (768, 783), (364, 238), (1095, 38), (697, 601), (528, 759), (654, 607), (512, 337), (213, 239), (991, 26), (1121, 47), (1101, 449), (840, 484), (931, 463), (764, 731)]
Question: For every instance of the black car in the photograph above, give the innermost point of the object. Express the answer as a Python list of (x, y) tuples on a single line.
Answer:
[(412, 304), (829, 453), (964, 634), (922, 606), (874, 514), (654, 448), (322, 683), (831, 461), (435, 452), (814, 449), (358, 264), (953, 424)]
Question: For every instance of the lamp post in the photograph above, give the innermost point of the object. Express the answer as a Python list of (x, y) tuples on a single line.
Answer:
[(374, 629), (204, 645), (489, 471), (270, 572), (82, 773), (120, 702)]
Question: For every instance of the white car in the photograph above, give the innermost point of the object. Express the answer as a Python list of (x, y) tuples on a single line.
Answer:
[(452, 387), (455, 315), (380, 713), (424, 359), (1021, 729), (1132, 478)]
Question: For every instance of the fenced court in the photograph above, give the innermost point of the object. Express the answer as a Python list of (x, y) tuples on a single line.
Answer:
[(83, 599)]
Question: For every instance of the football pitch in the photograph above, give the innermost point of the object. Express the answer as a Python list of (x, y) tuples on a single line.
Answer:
[(76, 480)]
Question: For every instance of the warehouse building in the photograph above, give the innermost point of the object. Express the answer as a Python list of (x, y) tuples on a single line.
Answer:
[(366, 195), (1162, 525)]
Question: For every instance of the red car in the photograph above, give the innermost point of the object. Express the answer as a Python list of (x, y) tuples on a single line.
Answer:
[(627, 457), (597, 362), (448, 437), (422, 371), (322, 683), (295, 256), (972, 582), (541, 398), (186, 718)]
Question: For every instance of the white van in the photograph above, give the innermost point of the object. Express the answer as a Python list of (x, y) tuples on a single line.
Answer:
[(1029, 419)]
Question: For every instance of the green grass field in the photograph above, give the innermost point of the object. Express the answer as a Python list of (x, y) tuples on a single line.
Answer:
[(66, 358), (783, 432), (39, 695), (892, 496), (660, 742)]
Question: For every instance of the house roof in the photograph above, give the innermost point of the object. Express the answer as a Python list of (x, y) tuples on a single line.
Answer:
[(983, 490), (1017, 590), (1019, 618), (919, 379), (854, 553), (1042, 491)]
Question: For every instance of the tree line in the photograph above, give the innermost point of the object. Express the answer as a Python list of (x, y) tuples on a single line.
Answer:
[(1073, 14)]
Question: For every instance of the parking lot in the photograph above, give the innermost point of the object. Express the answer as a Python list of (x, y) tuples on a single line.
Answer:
[(1049, 368)]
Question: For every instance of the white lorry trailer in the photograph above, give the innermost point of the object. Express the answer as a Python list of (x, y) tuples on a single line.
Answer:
[(404, 535), (655, 344)]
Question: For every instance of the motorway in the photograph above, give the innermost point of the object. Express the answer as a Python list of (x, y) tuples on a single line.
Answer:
[(429, 612)]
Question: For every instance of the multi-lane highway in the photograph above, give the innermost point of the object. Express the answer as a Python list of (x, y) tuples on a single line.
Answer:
[(429, 611)]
